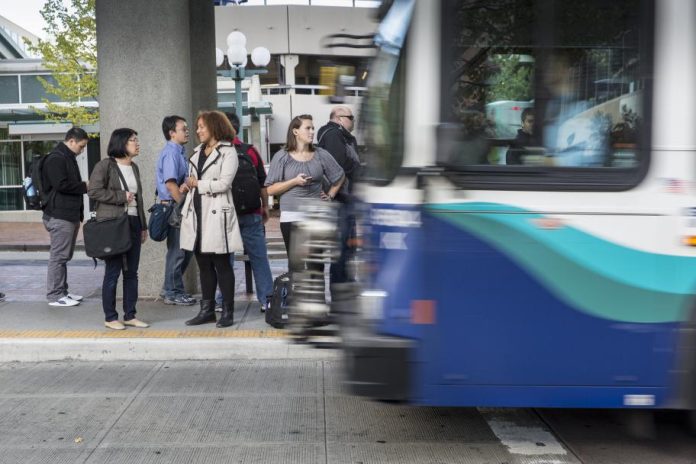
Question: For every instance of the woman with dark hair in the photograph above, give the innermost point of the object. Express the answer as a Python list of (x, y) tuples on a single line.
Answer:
[(115, 187), (296, 173), (209, 223)]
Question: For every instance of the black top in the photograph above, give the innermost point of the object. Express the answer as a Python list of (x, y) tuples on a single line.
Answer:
[(334, 138), (197, 200), (517, 147), (63, 185)]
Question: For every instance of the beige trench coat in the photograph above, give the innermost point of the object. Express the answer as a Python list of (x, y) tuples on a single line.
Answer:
[(219, 227)]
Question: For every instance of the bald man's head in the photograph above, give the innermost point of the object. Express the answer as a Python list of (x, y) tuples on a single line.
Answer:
[(343, 116)]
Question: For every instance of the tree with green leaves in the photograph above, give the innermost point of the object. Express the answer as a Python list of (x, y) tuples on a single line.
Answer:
[(70, 54), (513, 80)]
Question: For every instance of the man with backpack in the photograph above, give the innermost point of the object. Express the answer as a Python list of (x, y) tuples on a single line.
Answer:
[(61, 190), (336, 137), (251, 205)]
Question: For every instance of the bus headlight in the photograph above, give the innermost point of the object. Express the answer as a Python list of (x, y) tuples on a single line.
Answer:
[(371, 304)]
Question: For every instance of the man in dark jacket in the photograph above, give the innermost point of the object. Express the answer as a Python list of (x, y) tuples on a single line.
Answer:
[(336, 138), (64, 211), (525, 138)]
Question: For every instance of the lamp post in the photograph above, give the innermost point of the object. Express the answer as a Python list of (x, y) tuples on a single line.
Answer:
[(237, 60)]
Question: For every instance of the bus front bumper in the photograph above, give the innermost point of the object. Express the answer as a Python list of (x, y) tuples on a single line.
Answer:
[(377, 366)]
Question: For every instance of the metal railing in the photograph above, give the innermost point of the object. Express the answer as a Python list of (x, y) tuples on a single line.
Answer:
[(275, 89), (344, 3)]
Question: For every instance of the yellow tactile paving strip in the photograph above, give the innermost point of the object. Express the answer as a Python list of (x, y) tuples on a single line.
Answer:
[(143, 333)]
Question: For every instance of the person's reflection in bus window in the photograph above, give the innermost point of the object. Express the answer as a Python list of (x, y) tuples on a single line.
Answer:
[(567, 128), (525, 138)]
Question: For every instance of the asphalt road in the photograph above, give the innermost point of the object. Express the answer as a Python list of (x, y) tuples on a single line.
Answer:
[(290, 411)]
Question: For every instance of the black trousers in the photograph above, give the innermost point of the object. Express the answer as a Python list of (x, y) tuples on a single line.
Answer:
[(214, 269)]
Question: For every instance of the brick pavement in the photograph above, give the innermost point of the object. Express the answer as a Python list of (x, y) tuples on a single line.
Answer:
[(18, 236), (25, 279)]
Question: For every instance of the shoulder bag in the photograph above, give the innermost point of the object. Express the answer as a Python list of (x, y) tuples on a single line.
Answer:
[(158, 223), (108, 237)]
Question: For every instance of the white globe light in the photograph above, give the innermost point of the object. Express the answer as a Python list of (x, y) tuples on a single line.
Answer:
[(237, 55), (260, 56), (236, 38), (219, 57), (244, 63)]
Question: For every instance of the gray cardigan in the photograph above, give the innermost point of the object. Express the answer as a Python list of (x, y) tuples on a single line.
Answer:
[(106, 189)]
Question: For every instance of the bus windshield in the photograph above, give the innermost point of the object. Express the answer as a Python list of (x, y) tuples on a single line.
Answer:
[(383, 108)]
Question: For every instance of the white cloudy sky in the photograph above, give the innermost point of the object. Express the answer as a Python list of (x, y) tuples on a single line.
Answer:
[(24, 13)]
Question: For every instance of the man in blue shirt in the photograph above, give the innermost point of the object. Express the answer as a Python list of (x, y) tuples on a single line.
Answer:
[(172, 169)]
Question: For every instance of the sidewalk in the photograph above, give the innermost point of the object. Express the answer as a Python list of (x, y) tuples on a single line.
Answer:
[(30, 330)]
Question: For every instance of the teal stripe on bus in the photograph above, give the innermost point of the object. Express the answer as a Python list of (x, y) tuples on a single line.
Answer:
[(581, 268)]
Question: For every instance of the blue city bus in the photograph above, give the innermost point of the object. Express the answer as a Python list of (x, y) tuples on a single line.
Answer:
[(564, 279)]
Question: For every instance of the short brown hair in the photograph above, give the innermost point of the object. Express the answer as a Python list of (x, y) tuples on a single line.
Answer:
[(296, 123), (217, 123)]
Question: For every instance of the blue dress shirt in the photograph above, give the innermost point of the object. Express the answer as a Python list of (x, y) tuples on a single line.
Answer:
[(171, 165)]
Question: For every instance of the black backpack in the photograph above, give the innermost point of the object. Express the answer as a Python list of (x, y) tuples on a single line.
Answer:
[(277, 314), (34, 195), (246, 191)]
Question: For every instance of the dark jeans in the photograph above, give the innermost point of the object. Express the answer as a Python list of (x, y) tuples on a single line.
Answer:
[(216, 269), (254, 239), (286, 228), (176, 262), (114, 266)]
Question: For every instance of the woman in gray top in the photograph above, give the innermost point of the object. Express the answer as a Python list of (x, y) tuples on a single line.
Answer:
[(296, 173)]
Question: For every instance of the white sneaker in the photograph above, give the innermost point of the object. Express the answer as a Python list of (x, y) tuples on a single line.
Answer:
[(72, 296), (65, 301)]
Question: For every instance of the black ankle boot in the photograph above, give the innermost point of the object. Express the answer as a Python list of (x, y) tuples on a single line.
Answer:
[(227, 317), (206, 314)]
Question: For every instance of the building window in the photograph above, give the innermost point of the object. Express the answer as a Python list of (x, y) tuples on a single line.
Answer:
[(9, 89), (34, 92), (10, 164), (11, 199)]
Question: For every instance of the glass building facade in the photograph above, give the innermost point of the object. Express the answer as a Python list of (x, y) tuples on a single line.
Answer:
[(16, 155)]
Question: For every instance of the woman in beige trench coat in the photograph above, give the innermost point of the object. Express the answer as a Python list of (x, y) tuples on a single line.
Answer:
[(209, 224)]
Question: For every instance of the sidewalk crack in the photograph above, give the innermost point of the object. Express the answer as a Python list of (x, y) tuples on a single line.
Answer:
[(121, 411)]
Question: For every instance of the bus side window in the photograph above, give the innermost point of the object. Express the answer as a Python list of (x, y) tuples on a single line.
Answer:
[(574, 70)]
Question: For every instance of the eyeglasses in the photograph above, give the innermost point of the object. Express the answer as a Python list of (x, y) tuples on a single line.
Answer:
[(351, 117), (133, 140)]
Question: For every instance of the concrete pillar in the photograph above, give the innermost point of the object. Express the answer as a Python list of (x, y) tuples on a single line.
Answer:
[(155, 58)]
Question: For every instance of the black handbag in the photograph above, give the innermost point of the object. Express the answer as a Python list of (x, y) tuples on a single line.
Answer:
[(108, 237)]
